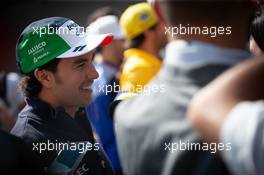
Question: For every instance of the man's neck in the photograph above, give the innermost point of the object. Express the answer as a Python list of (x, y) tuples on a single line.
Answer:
[(150, 49), (71, 111)]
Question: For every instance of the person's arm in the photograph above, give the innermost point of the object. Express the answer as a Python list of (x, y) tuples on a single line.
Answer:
[(212, 104)]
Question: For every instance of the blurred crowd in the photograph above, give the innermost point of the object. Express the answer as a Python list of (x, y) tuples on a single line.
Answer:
[(143, 97)]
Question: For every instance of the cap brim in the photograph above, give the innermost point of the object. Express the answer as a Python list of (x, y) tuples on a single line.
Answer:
[(88, 43)]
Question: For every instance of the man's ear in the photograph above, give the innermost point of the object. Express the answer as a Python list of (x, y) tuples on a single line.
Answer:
[(156, 7), (45, 77)]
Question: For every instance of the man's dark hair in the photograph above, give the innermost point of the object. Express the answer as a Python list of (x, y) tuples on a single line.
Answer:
[(257, 29), (138, 40), (218, 12), (104, 11), (30, 86)]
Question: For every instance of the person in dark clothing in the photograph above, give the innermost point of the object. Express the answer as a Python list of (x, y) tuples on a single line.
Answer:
[(56, 58), (16, 157)]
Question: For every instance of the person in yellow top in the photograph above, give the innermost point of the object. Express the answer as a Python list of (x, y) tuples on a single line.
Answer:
[(145, 37)]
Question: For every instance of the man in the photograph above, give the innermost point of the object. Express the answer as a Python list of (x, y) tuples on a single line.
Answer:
[(56, 57), (111, 56), (153, 133), (234, 114), (145, 38), (108, 69), (100, 12)]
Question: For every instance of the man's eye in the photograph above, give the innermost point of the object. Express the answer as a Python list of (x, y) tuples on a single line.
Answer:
[(80, 65)]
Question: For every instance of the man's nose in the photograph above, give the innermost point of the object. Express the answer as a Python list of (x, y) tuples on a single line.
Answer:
[(92, 72)]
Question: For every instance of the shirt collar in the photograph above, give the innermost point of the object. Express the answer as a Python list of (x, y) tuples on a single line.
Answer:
[(143, 55), (43, 109), (191, 54)]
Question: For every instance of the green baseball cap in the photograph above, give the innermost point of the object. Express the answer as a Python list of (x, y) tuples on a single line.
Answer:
[(54, 38)]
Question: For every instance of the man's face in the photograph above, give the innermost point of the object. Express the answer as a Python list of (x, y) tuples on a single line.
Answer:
[(73, 81), (118, 47), (114, 52), (160, 37)]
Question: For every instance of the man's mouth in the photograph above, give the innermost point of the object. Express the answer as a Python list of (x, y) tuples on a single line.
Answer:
[(87, 88)]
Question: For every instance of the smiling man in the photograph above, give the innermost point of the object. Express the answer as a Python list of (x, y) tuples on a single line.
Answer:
[(56, 58)]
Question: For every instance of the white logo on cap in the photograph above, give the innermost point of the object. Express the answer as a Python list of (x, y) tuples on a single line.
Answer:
[(37, 48), (36, 59)]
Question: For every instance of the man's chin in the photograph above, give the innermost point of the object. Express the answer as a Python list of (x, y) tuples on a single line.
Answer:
[(85, 102)]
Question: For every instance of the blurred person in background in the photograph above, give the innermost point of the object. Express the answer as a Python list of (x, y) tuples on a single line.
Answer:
[(230, 110), (7, 120), (13, 101), (145, 38), (103, 11), (151, 128), (108, 68)]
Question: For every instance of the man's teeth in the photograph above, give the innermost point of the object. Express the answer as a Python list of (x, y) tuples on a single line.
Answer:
[(87, 88)]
